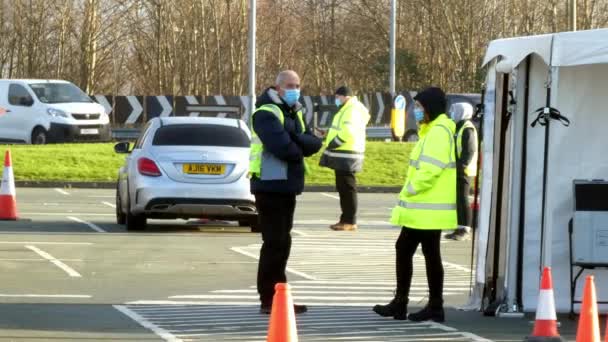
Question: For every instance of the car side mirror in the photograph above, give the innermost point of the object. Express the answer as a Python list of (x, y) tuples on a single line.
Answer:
[(122, 147), (26, 101)]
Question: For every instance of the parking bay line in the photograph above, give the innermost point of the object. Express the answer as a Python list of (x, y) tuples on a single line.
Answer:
[(67, 269), (63, 192), (109, 204), (330, 196), (89, 224), (31, 295)]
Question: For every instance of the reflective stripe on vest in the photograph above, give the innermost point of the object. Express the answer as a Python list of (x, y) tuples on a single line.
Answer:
[(427, 206)]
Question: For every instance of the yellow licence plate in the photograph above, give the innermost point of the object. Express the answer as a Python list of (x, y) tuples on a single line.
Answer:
[(204, 169)]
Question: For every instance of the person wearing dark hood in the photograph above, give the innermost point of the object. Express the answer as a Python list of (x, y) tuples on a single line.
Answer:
[(280, 140), (344, 153), (427, 205), (466, 167)]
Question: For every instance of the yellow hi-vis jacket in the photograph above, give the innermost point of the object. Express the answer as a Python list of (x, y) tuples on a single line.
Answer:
[(428, 198), (257, 155), (470, 169), (345, 140)]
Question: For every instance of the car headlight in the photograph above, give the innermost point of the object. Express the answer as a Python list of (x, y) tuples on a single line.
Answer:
[(56, 113)]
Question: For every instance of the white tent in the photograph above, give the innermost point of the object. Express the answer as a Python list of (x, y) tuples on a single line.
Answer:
[(526, 190)]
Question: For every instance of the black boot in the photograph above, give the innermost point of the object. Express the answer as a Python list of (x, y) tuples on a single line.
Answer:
[(433, 311), (397, 308)]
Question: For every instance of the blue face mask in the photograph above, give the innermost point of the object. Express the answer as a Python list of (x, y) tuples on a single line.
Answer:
[(291, 96), (419, 114), (338, 102)]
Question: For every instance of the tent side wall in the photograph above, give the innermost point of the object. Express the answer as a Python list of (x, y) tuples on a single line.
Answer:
[(576, 152)]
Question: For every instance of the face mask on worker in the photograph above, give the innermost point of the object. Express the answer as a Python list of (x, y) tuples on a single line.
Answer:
[(291, 96), (338, 102), (419, 114)]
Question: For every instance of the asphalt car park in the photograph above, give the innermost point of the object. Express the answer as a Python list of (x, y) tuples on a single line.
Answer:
[(69, 272)]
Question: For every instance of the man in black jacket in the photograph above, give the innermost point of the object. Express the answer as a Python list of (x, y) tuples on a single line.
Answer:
[(466, 167), (277, 177)]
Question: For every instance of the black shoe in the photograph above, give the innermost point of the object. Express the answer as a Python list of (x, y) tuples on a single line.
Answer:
[(397, 308), (460, 234), (298, 309), (428, 314)]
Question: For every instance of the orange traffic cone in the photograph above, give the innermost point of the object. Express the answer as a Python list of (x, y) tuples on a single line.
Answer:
[(8, 201), (606, 335), (282, 326), (588, 324), (545, 325)]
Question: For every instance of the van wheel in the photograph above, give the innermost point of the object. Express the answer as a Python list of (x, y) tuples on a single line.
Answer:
[(121, 218), (39, 136)]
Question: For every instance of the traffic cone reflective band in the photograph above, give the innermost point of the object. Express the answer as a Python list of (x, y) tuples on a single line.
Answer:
[(545, 325), (588, 325), (8, 202), (282, 326)]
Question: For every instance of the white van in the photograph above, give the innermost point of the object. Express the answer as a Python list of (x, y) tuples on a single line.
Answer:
[(43, 111)]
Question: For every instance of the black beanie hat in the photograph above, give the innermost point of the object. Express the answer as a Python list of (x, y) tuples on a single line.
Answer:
[(433, 100), (344, 91)]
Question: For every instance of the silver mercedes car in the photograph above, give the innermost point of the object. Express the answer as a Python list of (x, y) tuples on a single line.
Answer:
[(186, 167)]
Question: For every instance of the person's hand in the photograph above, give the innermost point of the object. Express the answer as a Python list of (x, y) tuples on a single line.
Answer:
[(320, 133)]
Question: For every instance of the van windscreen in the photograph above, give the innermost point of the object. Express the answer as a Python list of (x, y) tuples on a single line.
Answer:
[(59, 93)]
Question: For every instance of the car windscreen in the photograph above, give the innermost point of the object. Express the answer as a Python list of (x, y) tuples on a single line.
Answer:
[(200, 135), (59, 93)]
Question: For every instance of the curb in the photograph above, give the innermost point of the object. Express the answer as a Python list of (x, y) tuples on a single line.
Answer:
[(112, 185)]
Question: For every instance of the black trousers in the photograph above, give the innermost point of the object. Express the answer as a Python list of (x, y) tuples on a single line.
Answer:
[(275, 218), (406, 246), (463, 204), (346, 184)]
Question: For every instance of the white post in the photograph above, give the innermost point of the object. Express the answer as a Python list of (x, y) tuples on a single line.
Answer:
[(252, 29)]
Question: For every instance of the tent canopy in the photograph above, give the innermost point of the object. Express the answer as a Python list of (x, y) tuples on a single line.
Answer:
[(556, 50), (567, 71)]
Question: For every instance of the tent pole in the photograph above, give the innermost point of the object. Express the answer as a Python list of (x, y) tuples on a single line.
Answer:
[(522, 194), (480, 115)]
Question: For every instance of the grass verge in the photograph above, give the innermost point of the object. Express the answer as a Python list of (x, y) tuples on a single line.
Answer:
[(385, 164)]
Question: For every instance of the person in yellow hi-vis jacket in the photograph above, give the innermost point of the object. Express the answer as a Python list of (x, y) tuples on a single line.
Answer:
[(426, 206), (344, 153)]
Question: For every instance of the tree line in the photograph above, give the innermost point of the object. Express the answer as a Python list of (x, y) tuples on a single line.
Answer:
[(199, 47)]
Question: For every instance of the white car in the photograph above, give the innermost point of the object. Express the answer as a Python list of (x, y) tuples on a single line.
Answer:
[(186, 167), (43, 111)]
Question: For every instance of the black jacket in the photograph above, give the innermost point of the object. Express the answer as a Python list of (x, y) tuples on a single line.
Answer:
[(289, 142)]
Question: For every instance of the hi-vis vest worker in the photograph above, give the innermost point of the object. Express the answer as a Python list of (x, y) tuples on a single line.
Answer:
[(264, 165), (470, 169), (428, 198), (345, 140)]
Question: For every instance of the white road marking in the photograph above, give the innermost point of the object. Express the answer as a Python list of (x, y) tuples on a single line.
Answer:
[(39, 260), (30, 295), (164, 334), (89, 224), (67, 269), (330, 196), (109, 204), (44, 243), (107, 196), (257, 257), (299, 232), (63, 192), (63, 214)]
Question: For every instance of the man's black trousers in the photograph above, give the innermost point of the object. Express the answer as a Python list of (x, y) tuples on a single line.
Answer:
[(346, 184), (275, 218), (463, 203), (406, 246)]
